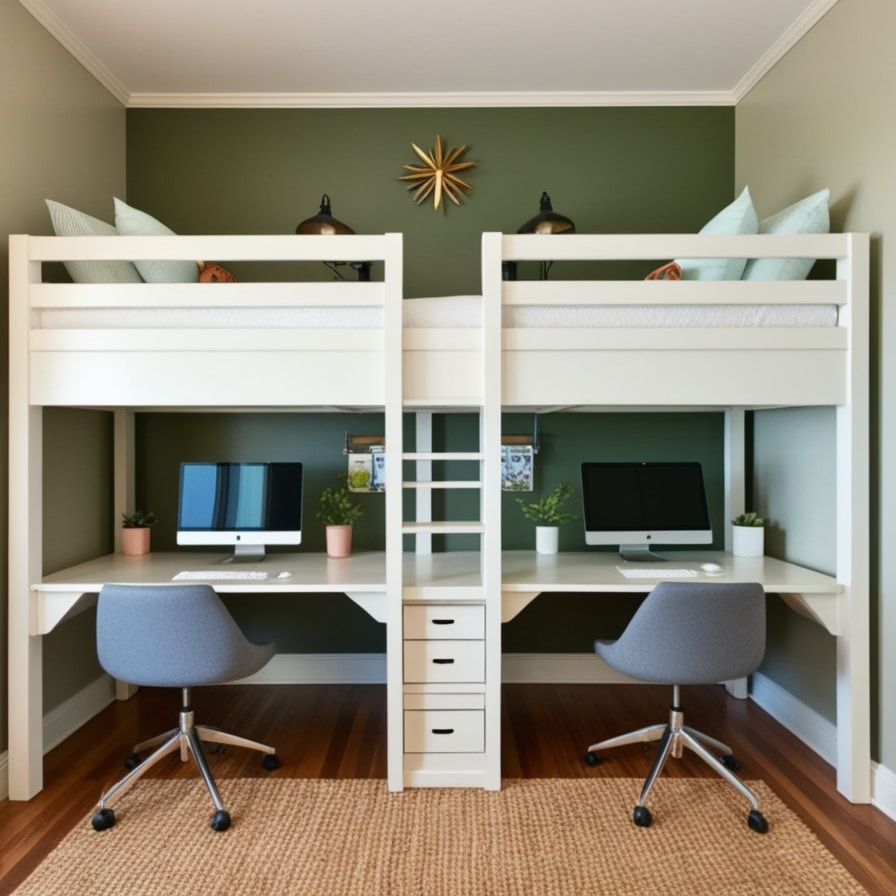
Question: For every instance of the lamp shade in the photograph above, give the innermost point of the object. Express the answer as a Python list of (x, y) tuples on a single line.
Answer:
[(323, 223), (547, 220)]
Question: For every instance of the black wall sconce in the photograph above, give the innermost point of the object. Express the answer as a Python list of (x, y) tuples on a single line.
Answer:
[(324, 224)]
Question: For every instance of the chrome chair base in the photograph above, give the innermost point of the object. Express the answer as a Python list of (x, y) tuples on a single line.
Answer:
[(674, 736), (188, 737)]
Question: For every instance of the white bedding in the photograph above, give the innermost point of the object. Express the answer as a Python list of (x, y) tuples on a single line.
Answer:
[(444, 312)]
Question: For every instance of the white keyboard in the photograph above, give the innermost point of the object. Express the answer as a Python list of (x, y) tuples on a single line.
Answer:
[(652, 572), (220, 575)]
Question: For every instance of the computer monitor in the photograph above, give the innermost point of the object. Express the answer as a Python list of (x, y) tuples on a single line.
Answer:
[(247, 505), (639, 505)]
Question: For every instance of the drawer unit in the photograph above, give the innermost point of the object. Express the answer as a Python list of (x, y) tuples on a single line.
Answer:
[(444, 731), (444, 661), (444, 621)]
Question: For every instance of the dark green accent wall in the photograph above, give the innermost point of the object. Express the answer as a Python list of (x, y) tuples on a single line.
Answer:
[(262, 171), (639, 170)]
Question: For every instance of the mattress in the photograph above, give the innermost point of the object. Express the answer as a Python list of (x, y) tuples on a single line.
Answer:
[(461, 312)]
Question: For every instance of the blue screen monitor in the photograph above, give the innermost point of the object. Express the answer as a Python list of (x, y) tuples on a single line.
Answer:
[(638, 505), (246, 505)]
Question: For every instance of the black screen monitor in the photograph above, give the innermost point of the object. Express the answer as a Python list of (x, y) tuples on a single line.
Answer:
[(637, 505), (247, 505)]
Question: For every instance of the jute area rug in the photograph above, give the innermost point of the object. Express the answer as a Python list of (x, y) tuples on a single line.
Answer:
[(556, 837)]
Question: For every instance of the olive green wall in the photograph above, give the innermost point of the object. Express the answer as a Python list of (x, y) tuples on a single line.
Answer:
[(263, 171)]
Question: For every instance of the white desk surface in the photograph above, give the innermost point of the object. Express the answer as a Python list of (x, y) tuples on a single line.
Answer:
[(521, 571), (362, 577), (308, 572)]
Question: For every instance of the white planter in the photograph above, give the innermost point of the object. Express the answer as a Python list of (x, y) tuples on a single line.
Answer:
[(747, 541), (546, 539)]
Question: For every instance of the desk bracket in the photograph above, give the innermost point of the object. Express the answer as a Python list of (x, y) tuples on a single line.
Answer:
[(514, 602), (823, 608), (372, 602), (49, 608)]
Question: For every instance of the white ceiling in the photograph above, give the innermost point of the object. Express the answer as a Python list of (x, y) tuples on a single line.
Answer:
[(301, 53)]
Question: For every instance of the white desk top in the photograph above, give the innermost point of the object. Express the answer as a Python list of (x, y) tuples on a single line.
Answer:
[(362, 576)]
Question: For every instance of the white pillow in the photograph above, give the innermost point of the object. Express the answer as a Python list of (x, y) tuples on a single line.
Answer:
[(132, 222), (738, 217), (70, 222), (809, 215)]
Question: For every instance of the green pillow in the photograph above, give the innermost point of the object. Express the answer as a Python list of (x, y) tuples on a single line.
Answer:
[(132, 222), (70, 222), (809, 215)]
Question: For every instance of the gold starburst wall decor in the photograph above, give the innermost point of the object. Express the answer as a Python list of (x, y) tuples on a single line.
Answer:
[(437, 176)]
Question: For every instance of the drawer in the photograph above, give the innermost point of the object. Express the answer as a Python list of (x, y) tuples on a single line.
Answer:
[(444, 731), (444, 661), (444, 621)]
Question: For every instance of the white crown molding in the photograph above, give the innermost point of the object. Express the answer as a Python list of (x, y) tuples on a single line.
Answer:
[(477, 100), (781, 47), (77, 49)]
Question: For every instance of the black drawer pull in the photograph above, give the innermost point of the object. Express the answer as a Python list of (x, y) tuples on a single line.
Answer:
[(443, 661), (443, 731), (443, 622)]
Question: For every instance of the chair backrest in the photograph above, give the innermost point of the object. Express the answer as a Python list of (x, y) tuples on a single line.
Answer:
[(693, 633), (172, 636)]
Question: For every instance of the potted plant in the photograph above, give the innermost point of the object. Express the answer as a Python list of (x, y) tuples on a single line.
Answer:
[(135, 531), (548, 517), (748, 535), (338, 513)]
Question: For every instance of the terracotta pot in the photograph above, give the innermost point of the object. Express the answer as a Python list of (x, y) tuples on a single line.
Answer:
[(135, 542), (339, 541)]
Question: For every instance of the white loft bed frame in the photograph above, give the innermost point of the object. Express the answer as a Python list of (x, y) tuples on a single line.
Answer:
[(260, 363)]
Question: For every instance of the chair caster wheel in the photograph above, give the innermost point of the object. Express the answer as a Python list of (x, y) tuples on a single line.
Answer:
[(103, 819), (593, 758), (756, 821), (642, 817), (131, 762), (730, 762), (220, 820), (270, 762)]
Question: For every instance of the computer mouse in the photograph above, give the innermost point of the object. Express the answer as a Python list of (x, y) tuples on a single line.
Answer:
[(283, 575), (710, 567)]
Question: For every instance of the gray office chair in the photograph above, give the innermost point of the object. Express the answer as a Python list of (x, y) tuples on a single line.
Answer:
[(688, 633), (178, 636)]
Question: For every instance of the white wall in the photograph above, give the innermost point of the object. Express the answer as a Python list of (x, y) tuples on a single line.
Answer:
[(62, 136), (823, 117)]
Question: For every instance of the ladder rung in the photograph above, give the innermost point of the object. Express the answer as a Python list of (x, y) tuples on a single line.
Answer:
[(443, 455), (459, 483), (443, 527)]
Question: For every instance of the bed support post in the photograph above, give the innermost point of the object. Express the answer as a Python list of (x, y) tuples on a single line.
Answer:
[(25, 668), (735, 496), (125, 495), (854, 536)]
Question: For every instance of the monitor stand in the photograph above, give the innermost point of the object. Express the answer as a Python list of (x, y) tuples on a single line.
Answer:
[(639, 553), (246, 553)]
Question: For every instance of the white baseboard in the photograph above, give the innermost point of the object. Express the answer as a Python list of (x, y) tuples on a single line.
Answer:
[(815, 731), (69, 716), (883, 789), (322, 668)]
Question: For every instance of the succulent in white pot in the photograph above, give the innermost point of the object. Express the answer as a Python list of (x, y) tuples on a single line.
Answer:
[(748, 535)]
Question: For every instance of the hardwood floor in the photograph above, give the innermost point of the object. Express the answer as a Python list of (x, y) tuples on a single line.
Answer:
[(339, 731)]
